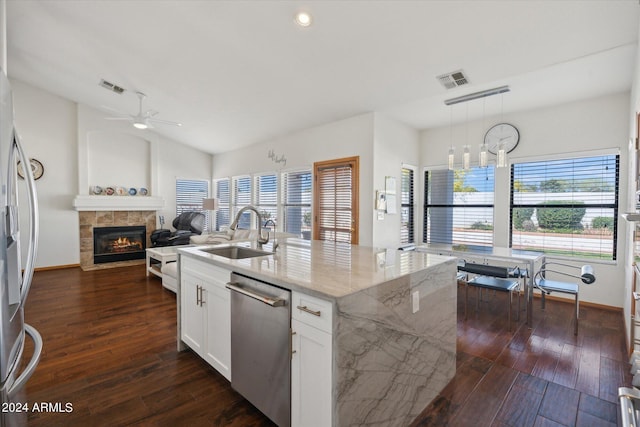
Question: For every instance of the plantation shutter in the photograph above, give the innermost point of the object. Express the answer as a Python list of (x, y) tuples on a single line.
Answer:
[(242, 198), (189, 196), (265, 188), (296, 195), (335, 216), (407, 208), (223, 194)]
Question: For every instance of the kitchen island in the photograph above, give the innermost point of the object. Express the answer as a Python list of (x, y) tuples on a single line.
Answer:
[(388, 325)]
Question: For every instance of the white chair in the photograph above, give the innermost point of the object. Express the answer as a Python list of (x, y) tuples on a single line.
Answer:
[(547, 286)]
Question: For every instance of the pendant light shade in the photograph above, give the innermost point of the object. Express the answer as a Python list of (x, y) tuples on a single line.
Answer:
[(482, 158), (501, 161), (466, 158), (451, 158)]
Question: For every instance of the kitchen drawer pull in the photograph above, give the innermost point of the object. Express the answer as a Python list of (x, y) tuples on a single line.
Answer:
[(273, 302), (308, 310)]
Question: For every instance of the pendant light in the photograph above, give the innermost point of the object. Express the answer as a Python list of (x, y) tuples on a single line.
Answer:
[(451, 157), (482, 156), (466, 155), (501, 160)]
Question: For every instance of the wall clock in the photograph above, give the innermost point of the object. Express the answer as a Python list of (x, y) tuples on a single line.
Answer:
[(36, 169), (504, 133)]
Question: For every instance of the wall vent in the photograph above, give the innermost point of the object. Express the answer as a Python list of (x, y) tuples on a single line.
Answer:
[(453, 79), (112, 87)]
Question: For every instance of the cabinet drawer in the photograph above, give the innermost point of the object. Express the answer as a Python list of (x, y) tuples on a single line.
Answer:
[(313, 311), (204, 270)]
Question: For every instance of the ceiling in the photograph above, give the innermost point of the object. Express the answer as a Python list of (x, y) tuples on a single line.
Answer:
[(239, 72)]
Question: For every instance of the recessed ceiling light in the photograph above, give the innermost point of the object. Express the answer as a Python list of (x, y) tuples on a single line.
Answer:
[(303, 19)]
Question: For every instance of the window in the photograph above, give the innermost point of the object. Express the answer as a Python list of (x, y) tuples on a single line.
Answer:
[(336, 200), (407, 208), (459, 206), (242, 198), (223, 195), (296, 203), (566, 207), (266, 196), (189, 196)]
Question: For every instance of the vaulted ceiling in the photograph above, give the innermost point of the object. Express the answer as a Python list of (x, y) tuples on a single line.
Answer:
[(240, 72)]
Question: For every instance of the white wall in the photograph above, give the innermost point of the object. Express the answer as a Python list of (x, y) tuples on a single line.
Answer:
[(632, 181), (50, 127), (395, 144), (592, 125), (343, 138), (47, 125)]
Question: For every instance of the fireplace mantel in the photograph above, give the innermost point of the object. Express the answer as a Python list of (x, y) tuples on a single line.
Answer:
[(118, 203)]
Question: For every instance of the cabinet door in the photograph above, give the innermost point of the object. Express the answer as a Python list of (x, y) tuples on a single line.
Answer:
[(311, 376), (191, 318), (218, 332)]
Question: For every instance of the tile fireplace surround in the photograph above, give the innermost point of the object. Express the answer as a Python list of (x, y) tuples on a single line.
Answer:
[(90, 219)]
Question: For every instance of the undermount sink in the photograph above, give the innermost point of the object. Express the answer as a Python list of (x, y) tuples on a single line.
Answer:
[(236, 252)]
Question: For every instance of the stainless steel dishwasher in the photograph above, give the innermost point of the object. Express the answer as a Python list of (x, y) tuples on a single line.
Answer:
[(260, 346)]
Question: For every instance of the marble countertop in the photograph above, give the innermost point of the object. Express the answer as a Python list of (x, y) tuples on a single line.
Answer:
[(328, 269)]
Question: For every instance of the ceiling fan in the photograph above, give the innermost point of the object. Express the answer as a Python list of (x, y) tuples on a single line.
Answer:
[(142, 120)]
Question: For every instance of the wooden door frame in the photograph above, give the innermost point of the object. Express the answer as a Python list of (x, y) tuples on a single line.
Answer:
[(355, 194)]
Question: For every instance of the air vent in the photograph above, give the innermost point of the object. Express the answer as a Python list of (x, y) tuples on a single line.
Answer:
[(453, 79), (108, 85)]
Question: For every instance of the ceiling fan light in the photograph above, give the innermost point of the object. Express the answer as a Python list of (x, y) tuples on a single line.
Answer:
[(140, 125)]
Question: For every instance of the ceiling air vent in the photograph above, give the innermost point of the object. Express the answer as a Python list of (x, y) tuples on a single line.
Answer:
[(453, 79), (108, 85)]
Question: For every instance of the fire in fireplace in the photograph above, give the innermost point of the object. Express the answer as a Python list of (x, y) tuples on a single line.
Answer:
[(112, 244)]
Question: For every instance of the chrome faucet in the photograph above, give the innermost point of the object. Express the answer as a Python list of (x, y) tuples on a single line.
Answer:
[(275, 239), (259, 239)]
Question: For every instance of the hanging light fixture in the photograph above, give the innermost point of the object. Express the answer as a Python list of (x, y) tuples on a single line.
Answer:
[(466, 158), (501, 160), (451, 158), (466, 155), (482, 155)]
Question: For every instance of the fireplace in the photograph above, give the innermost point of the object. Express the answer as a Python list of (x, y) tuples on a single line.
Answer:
[(124, 243)]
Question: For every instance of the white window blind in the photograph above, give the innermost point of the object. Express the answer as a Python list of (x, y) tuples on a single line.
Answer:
[(296, 203), (335, 205), (242, 198), (407, 206), (223, 194), (566, 207), (459, 206), (189, 196), (265, 189)]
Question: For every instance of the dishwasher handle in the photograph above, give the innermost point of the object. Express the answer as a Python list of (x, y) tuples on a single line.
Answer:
[(273, 302)]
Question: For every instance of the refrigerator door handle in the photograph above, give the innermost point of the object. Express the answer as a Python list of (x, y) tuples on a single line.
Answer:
[(33, 220), (31, 366)]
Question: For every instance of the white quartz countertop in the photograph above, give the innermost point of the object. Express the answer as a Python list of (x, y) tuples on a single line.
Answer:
[(327, 269)]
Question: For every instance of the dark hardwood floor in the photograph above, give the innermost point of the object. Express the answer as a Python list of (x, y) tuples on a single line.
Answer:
[(110, 351)]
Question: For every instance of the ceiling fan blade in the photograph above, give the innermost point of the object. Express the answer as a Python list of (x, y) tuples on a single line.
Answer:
[(164, 122), (118, 118)]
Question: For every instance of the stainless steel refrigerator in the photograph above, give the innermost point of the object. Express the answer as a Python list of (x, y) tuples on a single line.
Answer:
[(14, 281)]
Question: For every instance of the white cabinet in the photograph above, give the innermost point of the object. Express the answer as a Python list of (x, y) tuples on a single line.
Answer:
[(206, 313), (311, 362), (192, 313)]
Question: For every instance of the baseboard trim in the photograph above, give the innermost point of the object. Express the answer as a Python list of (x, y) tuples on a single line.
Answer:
[(583, 303), (57, 267)]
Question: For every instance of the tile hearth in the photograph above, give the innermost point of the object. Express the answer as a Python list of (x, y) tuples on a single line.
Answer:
[(91, 219)]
